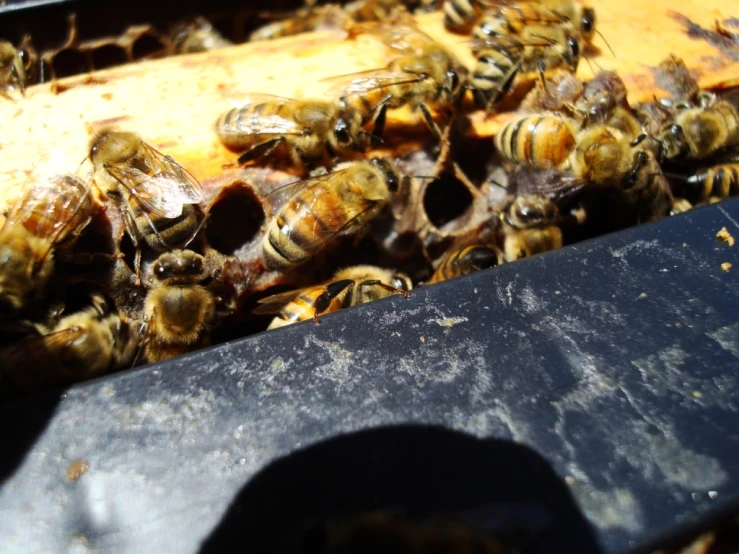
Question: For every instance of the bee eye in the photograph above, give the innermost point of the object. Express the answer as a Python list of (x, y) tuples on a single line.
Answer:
[(195, 265), (574, 48), (341, 131), (162, 269), (588, 20), (453, 80), (400, 283)]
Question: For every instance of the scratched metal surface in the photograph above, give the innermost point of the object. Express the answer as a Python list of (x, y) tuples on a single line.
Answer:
[(615, 359)]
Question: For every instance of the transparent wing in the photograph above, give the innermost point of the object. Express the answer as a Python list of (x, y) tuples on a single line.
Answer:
[(257, 124), (274, 303), (294, 188), (47, 207), (242, 99), (158, 195), (62, 339), (367, 81), (165, 168)]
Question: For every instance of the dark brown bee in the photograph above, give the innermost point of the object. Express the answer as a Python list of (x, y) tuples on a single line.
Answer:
[(530, 226)]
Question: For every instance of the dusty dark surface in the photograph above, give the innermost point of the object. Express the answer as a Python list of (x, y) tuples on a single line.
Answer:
[(613, 361)]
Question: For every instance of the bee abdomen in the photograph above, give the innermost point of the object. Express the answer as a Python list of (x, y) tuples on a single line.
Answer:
[(494, 74), (540, 141), (459, 15)]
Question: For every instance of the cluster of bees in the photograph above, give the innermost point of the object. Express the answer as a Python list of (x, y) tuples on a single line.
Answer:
[(576, 161)]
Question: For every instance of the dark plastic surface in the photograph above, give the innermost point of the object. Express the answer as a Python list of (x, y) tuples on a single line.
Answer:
[(612, 365)]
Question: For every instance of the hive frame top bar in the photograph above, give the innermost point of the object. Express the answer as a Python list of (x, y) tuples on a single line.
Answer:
[(614, 361)]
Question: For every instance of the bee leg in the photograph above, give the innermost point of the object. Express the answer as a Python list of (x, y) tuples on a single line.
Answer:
[(137, 266), (331, 291), (430, 122), (260, 150)]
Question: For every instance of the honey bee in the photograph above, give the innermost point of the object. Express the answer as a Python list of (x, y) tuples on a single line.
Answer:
[(374, 10), (464, 261), (348, 287), (718, 181), (81, 346), (600, 154), (304, 20), (197, 35), (13, 69), (159, 197), (426, 77), (701, 131), (644, 193), (303, 130), (530, 226), (178, 309), (554, 93), (582, 17), (389, 532), (49, 216), (494, 72), (604, 101), (513, 19), (325, 207)]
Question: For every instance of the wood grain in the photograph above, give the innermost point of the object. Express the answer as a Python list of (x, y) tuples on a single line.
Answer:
[(174, 102)]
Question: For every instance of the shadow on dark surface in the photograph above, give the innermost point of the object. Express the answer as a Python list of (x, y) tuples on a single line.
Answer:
[(424, 472), (21, 424)]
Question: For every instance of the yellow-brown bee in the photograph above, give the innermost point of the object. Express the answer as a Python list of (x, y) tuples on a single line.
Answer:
[(394, 533), (13, 69), (600, 154), (49, 215), (304, 20), (530, 226), (178, 309), (348, 287), (197, 35), (301, 130), (513, 19), (718, 181), (702, 131), (497, 64), (81, 346), (158, 196), (464, 261), (427, 76), (326, 206)]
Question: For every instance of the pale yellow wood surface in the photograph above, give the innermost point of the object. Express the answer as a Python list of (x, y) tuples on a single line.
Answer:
[(174, 102)]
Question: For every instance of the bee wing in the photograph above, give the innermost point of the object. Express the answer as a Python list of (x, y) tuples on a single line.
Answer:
[(289, 190), (366, 81), (159, 195), (189, 189), (402, 36), (59, 340), (274, 303), (271, 124), (553, 184), (241, 99), (45, 213)]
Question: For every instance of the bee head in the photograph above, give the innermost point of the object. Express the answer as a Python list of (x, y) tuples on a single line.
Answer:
[(402, 282), (673, 143), (342, 132), (178, 263), (482, 257), (113, 147), (531, 211), (390, 173), (572, 55)]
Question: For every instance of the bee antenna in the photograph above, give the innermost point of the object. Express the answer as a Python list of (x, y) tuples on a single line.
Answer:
[(606, 42), (425, 176), (372, 136), (195, 234), (81, 164)]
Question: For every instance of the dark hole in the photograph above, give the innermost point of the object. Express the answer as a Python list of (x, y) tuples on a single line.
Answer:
[(109, 55), (446, 199), (236, 216), (69, 62), (146, 46), (128, 250)]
